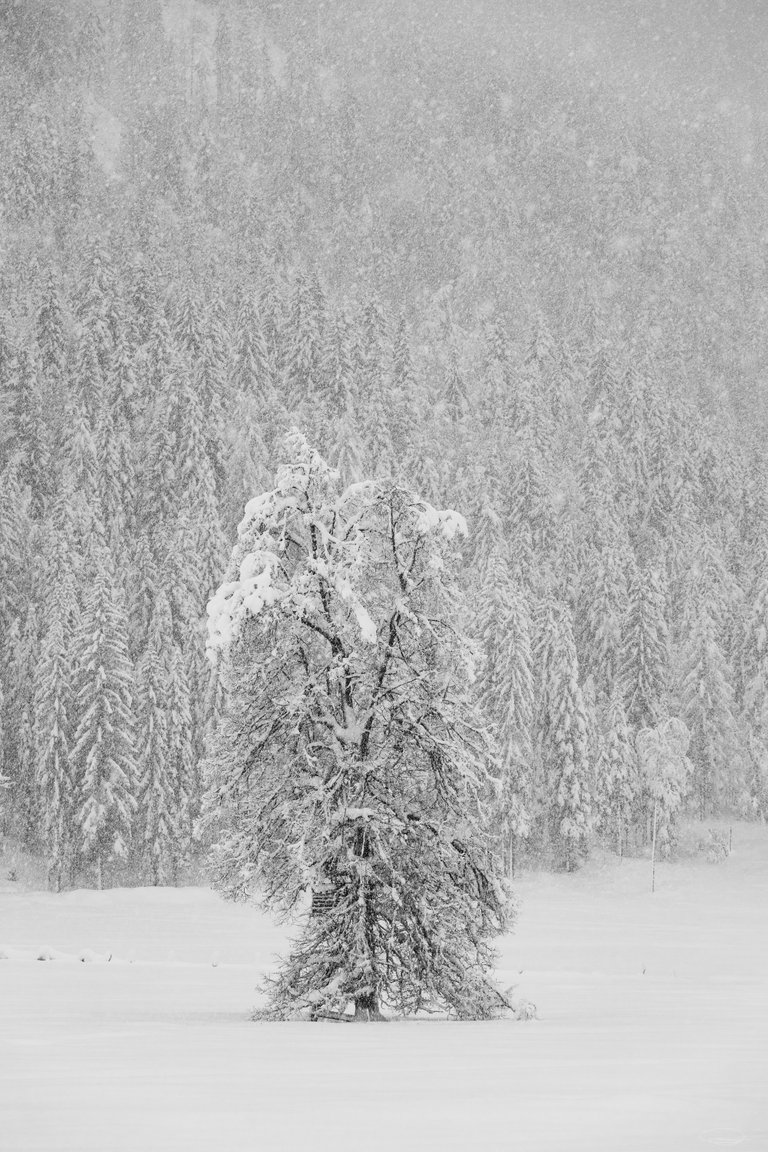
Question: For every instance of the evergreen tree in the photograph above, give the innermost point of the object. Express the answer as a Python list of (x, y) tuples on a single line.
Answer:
[(707, 708), (666, 771), (352, 761), (16, 533), (157, 798), (23, 644), (753, 683), (184, 728), (31, 441), (531, 516), (565, 747), (104, 740), (506, 694), (644, 668), (95, 306), (602, 609), (618, 779), (52, 340), (54, 783)]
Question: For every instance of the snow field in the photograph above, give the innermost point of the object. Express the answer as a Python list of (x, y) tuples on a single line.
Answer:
[(652, 1032)]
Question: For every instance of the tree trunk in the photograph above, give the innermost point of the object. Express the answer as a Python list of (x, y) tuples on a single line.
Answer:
[(367, 1007)]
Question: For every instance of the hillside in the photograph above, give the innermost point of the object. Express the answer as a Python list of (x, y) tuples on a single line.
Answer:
[(509, 255)]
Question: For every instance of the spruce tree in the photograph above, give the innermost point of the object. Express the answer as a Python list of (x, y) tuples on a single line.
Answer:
[(103, 751), (565, 747), (752, 683), (707, 707), (54, 783), (186, 716), (644, 667), (157, 798), (23, 645), (618, 780), (506, 694), (666, 773), (602, 608)]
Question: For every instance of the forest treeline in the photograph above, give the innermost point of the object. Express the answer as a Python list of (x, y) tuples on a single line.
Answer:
[(200, 254)]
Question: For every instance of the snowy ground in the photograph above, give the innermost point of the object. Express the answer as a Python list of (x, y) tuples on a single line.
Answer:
[(652, 1036)]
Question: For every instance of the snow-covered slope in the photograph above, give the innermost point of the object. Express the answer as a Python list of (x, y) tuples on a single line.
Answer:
[(652, 1032)]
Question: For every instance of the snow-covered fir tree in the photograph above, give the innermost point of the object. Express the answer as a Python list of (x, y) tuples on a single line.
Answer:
[(157, 797), (506, 694), (708, 709), (103, 749), (617, 774), (563, 733), (644, 667), (54, 768), (666, 773)]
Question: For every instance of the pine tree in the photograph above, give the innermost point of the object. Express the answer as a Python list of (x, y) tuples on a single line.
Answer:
[(89, 375), (188, 324), (157, 799), (531, 515), (752, 682), (346, 670), (506, 694), (95, 306), (52, 340), (104, 741), (618, 780), (53, 691), (666, 771), (54, 783), (23, 644), (304, 341), (16, 533), (488, 538), (31, 441), (565, 746), (252, 365), (602, 608), (404, 406), (184, 728), (644, 668), (707, 707)]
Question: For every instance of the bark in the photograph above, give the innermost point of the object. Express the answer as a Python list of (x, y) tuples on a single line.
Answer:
[(367, 1007)]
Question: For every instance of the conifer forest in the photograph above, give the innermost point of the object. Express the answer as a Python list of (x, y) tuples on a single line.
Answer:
[(528, 284)]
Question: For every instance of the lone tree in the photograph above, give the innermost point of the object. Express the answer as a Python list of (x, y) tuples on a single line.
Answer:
[(351, 763)]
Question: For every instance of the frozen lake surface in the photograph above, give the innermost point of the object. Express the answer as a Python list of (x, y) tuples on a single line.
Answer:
[(652, 1032)]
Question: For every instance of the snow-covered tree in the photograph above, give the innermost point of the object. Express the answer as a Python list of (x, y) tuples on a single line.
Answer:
[(506, 693), (55, 783), (156, 791), (23, 652), (563, 734), (183, 732), (351, 762), (617, 775), (707, 707), (666, 772), (644, 667), (752, 659), (104, 739), (602, 607)]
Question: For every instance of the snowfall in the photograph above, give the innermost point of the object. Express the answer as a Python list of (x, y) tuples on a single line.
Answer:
[(125, 1025)]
